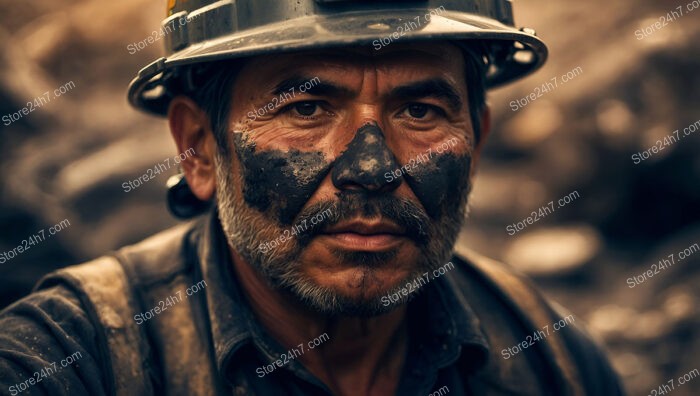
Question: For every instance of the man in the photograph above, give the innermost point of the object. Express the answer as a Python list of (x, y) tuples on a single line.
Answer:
[(335, 147)]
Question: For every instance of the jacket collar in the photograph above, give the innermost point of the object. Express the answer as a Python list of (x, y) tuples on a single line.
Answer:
[(442, 325)]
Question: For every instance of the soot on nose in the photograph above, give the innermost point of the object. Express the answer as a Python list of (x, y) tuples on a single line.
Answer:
[(365, 161)]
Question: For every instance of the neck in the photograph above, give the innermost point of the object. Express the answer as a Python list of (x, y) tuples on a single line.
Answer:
[(354, 354)]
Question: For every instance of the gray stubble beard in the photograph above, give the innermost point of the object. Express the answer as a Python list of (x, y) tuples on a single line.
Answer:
[(243, 228)]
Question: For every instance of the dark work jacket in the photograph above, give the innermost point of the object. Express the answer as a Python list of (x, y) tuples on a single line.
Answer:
[(167, 316)]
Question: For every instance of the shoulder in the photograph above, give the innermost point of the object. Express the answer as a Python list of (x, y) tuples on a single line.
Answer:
[(107, 286), (153, 259), (45, 331), (89, 309), (162, 255), (570, 348), (593, 364)]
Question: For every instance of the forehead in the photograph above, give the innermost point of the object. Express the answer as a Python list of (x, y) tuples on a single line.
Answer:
[(397, 60)]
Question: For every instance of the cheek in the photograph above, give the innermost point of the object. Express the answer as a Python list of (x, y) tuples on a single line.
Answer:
[(277, 182), (441, 184)]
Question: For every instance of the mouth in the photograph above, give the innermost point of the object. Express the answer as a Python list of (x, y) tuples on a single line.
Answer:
[(376, 235)]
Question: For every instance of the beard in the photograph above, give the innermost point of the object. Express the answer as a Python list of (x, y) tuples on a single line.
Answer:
[(247, 229)]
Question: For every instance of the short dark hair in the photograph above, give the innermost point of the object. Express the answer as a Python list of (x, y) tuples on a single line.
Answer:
[(213, 84)]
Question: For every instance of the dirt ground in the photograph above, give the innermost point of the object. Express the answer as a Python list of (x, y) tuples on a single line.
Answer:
[(610, 221)]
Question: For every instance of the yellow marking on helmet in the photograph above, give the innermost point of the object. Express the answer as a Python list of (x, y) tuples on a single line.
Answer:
[(171, 5)]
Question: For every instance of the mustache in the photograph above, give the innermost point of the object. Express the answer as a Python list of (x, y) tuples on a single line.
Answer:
[(404, 212)]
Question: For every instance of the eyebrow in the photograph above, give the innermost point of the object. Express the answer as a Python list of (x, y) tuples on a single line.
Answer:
[(436, 88), (319, 89)]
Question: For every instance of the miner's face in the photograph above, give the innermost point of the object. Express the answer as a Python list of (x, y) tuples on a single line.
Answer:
[(348, 171)]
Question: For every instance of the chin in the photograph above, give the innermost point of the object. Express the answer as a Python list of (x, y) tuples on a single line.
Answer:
[(336, 302), (352, 283)]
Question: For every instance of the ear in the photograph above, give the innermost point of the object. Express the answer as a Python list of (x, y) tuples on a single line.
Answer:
[(191, 129), (485, 122)]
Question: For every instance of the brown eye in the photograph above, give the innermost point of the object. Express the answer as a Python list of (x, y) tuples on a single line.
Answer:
[(417, 110), (306, 109)]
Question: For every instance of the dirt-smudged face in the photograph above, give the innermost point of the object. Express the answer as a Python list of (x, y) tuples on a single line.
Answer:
[(345, 187)]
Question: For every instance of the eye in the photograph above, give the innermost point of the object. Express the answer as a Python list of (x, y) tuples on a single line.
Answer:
[(421, 112), (305, 109), (417, 110)]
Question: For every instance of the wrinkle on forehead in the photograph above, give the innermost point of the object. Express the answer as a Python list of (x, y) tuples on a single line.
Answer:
[(349, 58), (440, 52)]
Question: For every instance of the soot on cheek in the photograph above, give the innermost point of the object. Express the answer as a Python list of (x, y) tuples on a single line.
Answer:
[(441, 184), (279, 181)]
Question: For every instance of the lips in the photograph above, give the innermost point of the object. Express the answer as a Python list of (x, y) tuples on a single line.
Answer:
[(362, 235), (361, 227)]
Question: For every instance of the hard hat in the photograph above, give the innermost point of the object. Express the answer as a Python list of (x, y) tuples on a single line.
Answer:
[(198, 31)]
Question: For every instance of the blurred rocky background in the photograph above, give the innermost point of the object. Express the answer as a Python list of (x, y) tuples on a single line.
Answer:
[(69, 158)]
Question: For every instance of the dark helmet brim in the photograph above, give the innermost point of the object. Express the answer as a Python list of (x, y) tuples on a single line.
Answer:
[(508, 53)]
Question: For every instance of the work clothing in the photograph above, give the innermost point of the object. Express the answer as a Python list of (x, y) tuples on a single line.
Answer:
[(467, 331)]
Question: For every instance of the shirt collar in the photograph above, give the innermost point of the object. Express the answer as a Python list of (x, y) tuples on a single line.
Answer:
[(441, 321), (229, 314), (443, 327)]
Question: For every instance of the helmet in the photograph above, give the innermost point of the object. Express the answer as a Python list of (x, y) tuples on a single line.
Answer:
[(198, 31)]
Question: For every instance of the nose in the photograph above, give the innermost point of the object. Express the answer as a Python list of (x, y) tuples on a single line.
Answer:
[(367, 163)]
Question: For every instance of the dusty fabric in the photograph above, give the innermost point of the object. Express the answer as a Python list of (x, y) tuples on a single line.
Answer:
[(209, 343)]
